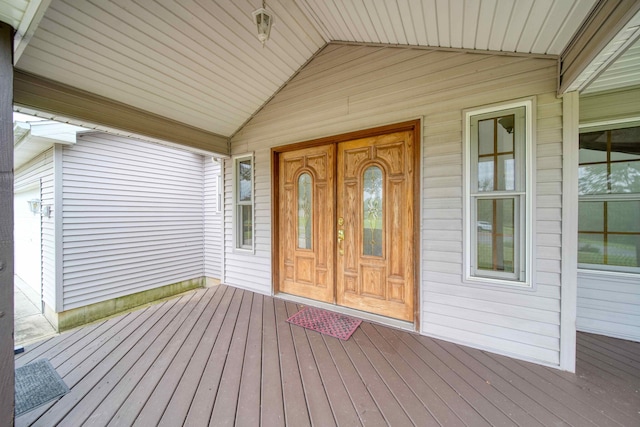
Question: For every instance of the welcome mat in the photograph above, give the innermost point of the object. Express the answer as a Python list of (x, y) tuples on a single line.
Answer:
[(37, 383), (326, 322)]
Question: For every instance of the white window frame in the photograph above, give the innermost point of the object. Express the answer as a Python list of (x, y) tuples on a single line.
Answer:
[(604, 268), (237, 222), (523, 197), (219, 194)]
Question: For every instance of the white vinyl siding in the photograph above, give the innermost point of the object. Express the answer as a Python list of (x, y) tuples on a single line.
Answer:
[(609, 304), (212, 220), (40, 169), (132, 218), (347, 88)]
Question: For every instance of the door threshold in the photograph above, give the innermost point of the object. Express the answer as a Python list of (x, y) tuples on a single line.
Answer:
[(375, 318)]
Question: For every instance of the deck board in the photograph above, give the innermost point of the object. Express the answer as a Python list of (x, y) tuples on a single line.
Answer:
[(295, 404), (224, 408), (165, 373), (612, 356), (403, 394), (343, 410), (93, 387), (405, 346), (201, 406), (505, 386), (248, 405), (149, 367), (571, 408), (320, 412), (474, 380), (427, 397), (272, 407), (368, 412), (88, 365), (384, 398), (475, 398), (226, 356)]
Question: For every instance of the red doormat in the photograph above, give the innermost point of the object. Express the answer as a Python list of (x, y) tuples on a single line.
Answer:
[(326, 322)]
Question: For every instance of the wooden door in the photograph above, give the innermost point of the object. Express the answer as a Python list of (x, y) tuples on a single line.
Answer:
[(306, 222), (375, 219)]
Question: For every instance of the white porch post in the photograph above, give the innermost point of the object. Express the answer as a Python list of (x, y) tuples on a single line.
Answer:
[(6, 226), (569, 290)]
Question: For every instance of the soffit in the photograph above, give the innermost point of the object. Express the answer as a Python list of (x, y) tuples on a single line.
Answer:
[(199, 61)]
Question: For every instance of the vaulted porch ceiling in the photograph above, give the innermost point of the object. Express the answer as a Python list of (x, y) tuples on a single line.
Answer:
[(199, 62)]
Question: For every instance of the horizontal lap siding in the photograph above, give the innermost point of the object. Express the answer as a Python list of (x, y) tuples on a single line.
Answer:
[(609, 304), (40, 169), (521, 323), (347, 88), (133, 218), (212, 220)]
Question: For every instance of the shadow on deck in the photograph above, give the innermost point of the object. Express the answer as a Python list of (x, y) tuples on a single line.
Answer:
[(227, 357)]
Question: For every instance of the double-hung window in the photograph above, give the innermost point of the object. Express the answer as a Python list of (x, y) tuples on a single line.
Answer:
[(497, 161), (243, 202), (609, 203)]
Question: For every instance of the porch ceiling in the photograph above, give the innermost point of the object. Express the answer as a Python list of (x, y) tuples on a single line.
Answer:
[(199, 62)]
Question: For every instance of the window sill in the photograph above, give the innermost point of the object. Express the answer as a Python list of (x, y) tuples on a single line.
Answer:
[(243, 251), (498, 283), (607, 273)]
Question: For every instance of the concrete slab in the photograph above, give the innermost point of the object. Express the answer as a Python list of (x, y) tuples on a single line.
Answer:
[(31, 329), (29, 324), (23, 306)]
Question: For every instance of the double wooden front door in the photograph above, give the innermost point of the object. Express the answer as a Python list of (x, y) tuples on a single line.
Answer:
[(346, 224)]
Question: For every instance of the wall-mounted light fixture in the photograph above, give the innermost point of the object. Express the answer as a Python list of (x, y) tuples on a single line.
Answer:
[(34, 205), (264, 21)]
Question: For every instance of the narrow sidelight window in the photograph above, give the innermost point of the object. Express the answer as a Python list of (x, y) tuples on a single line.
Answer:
[(243, 202), (497, 183)]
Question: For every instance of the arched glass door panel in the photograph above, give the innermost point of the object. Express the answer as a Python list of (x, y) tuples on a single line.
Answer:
[(372, 212), (305, 211)]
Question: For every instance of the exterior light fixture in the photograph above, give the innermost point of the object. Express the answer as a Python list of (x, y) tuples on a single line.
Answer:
[(34, 206), (263, 21)]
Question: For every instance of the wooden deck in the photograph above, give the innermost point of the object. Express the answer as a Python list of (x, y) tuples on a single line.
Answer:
[(223, 356)]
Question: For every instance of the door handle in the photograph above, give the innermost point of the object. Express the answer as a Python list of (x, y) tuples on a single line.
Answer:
[(340, 239)]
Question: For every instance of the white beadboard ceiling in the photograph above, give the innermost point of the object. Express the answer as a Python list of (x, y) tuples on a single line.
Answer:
[(199, 61)]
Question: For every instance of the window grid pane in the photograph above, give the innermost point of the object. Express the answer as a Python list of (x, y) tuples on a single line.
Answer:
[(610, 162), (496, 154), (244, 181), (246, 221), (496, 235), (617, 242), (609, 228)]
